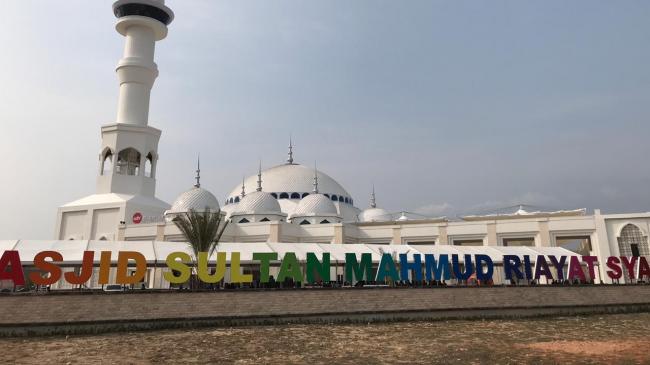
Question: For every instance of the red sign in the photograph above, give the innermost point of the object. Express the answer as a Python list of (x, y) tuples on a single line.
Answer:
[(137, 218)]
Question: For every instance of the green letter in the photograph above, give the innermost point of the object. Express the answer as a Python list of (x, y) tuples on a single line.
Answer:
[(290, 268), (264, 258), (322, 269), (353, 267), (178, 266)]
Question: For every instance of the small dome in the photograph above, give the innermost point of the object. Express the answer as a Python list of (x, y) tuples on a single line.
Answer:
[(402, 217), (315, 205), (375, 215), (197, 199), (258, 202)]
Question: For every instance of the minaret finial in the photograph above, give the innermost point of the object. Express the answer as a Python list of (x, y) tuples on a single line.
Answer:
[(315, 179), (259, 177), (373, 201), (243, 187), (198, 172), (290, 158)]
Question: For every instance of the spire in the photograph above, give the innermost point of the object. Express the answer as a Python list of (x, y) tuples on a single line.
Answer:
[(243, 187), (290, 158), (315, 179), (198, 172), (259, 177), (373, 201)]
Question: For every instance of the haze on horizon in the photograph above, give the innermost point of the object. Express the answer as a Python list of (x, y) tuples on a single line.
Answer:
[(447, 107)]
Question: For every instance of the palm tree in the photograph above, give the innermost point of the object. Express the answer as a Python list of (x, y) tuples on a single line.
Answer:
[(202, 230)]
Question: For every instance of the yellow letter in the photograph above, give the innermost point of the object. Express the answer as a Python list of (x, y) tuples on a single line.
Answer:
[(235, 275), (203, 271), (179, 266)]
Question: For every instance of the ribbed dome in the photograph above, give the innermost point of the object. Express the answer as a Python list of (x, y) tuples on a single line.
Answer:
[(375, 215), (293, 178), (258, 202), (315, 205), (196, 198)]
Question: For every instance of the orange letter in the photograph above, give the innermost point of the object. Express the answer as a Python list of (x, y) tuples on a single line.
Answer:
[(122, 266), (48, 267), (104, 267), (85, 271)]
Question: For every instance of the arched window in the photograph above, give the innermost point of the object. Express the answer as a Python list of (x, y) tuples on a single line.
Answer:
[(148, 165), (324, 221), (128, 162), (274, 195), (346, 200), (236, 199), (244, 220), (341, 199), (284, 196), (107, 162), (335, 198), (304, 194), (102, 238), (327, 195), (351, 201), (265, 220), (632, 242), (231, 200), (295, 196), (304, 222)]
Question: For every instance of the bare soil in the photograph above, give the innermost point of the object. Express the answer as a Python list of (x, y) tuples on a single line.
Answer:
[(606, 339)]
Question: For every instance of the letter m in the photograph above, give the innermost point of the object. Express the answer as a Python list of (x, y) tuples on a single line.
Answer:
[(354, 269)]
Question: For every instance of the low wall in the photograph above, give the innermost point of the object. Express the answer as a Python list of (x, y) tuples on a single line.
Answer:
[(67, 313)]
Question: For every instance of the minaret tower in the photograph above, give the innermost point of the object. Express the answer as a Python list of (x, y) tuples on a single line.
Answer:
[(128, 156)]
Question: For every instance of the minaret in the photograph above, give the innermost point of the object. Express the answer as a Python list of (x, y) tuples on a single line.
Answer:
[(130, 145), (243, 187), (373, 200), (126, 181)]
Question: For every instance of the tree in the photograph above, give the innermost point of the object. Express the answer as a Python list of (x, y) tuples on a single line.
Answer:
[(202, 230)]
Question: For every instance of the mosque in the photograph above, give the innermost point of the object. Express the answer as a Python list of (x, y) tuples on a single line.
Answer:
[(288, 205)]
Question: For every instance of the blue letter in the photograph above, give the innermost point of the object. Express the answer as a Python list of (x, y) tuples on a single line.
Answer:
[(416, 266), (469, 267), (438, 270), (480, 275), (387, 267), (511, 263)]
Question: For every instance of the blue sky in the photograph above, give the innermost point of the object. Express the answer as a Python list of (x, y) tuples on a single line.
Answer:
[(447, 107)]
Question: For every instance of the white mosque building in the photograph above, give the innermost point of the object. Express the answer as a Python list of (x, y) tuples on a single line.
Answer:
[(290, 203)]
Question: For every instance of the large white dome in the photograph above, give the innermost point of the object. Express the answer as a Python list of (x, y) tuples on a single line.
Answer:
[(375, 215), (197, 199), (258, 202), (292, 181), (315, 205)]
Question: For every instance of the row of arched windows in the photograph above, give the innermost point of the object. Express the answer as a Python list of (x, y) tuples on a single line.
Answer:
[(127, 162), (333, 197)]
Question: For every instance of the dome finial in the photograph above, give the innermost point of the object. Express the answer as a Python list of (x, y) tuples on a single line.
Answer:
[(290, 158), (243, 187), (259, 177), (315, 179), (373, 201), (198, 172)]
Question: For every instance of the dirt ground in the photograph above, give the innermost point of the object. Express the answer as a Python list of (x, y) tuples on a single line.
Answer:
[(605, 339)]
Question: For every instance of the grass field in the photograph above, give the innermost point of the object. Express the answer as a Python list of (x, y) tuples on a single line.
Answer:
[(606, 339)]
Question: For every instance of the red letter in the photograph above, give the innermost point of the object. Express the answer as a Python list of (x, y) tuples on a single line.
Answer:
[(613, 264), (16, 273), (644, 269), (85, 272), (629, 265), (48, 267), (590, 261), (575, 269)]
